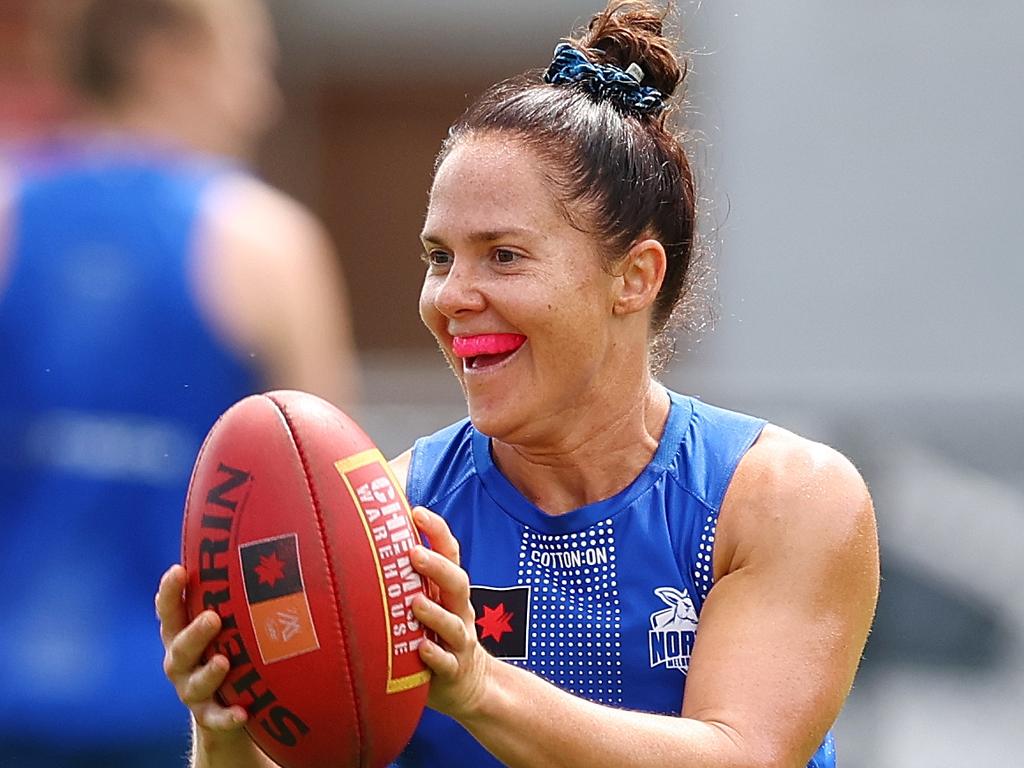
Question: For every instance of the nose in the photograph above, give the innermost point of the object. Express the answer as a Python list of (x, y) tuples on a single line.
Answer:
[(459, 291)]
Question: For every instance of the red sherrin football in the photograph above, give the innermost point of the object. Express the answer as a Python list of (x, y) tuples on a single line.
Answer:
[(297, 534)]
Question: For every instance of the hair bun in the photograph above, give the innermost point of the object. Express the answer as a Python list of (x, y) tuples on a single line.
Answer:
[(632, 32)]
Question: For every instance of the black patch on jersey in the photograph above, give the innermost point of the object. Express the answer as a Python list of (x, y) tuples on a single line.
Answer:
[(502, 620)]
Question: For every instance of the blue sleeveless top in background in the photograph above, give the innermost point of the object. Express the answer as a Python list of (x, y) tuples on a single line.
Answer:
[(603, 601), (109, 380)]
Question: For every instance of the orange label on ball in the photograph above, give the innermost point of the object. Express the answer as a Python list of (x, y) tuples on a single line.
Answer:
[(283, 627), (387, 520)]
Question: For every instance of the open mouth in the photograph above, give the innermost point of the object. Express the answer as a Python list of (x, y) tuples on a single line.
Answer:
[(487, 349)]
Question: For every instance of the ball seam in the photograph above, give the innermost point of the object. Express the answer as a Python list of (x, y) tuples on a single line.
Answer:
[(325, 547)]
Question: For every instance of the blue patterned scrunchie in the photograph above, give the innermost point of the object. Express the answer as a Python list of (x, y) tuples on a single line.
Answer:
[(604, 81)]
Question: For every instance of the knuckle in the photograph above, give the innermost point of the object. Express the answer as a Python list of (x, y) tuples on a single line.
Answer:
[(192, 692), (205, 718), (169, 666), (202, 684), (175, 659), (460, 633)]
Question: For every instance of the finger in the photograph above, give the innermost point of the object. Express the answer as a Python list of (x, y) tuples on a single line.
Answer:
[(214, 717), (186, 648), (170, 603), (451, 580), (450, 628), (443, 663), (438, 533), (204, 681)]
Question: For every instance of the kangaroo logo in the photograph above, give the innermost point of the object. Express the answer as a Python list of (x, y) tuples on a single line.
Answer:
[(673, 630)]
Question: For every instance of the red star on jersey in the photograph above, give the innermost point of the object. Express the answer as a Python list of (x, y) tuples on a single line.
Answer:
[(495, 622), (270, 569)]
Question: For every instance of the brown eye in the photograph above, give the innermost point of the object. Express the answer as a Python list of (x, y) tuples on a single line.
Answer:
[(505, 256), (438, 258)]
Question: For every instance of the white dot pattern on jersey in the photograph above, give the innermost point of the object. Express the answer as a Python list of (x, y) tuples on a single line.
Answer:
[(576, 618), (702, 575)]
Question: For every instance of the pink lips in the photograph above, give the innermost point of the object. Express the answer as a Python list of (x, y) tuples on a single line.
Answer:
[(487, 344)]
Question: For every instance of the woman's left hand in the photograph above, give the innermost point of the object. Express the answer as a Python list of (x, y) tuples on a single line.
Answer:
[(460, 664)]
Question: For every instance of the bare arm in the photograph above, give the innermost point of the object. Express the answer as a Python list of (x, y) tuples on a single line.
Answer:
[(268, 278), (780, 634), (797, 574)]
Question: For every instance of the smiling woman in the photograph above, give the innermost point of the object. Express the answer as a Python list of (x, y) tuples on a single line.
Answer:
[(626, 574)]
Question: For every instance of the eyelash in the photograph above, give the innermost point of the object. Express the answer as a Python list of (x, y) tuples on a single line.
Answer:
[(427, 257), (498, 251)]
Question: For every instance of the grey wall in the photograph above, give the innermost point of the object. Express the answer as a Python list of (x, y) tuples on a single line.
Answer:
[(870, 153)]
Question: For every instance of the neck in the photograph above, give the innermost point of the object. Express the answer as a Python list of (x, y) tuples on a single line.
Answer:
[(604, 451), (156, 124)]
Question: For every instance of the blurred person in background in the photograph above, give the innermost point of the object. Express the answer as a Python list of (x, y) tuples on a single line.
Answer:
[(147, 281)]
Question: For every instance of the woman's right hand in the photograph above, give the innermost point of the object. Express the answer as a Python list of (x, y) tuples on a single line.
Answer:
[(184, 644)]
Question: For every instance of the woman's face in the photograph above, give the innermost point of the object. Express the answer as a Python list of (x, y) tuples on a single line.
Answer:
[(516, 297)]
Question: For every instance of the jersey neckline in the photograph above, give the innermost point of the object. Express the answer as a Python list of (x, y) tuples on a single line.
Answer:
[(509, 498)]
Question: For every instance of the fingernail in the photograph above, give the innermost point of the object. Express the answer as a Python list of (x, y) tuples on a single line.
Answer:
[(419, 516)]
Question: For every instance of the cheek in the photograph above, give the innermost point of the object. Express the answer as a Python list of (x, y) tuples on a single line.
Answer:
[(584, 303), (576, 321), (428, 312)]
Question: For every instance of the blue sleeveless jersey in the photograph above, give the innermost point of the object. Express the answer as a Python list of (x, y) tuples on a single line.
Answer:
[(109, 380), (604, 601)]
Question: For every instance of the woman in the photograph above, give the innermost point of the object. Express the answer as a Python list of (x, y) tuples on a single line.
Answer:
[(598, 517)]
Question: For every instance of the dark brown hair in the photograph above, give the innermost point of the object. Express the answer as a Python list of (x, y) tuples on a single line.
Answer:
[(101, 40), (619, 176)]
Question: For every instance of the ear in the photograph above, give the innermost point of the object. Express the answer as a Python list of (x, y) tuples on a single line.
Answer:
[(640, 274)]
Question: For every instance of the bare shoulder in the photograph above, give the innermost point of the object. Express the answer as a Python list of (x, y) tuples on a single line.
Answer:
[(400, 466), (795, 552), (791, 494), (267, 275), (260, 219)]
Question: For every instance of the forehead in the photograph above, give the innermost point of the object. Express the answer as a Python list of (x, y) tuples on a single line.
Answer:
[(491, 182)]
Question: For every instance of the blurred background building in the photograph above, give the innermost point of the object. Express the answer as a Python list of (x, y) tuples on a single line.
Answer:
[(862, 165)]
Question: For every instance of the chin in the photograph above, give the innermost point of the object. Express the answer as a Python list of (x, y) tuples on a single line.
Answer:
[(492, 419), (485, 420)]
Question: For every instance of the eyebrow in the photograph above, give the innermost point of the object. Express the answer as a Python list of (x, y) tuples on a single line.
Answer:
[(483, 235)]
